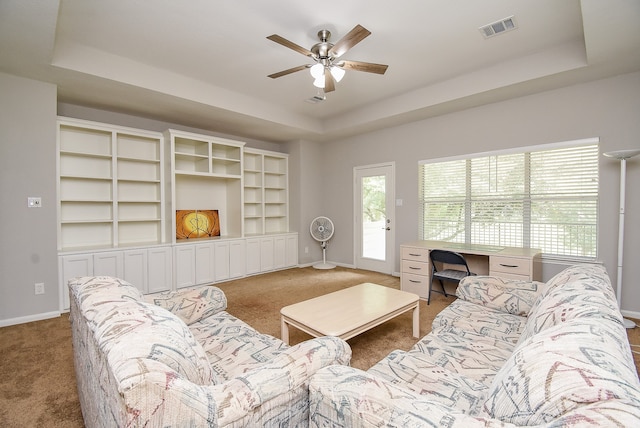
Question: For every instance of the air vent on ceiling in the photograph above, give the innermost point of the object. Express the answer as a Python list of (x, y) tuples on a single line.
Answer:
[(498, 27), (316, 99)]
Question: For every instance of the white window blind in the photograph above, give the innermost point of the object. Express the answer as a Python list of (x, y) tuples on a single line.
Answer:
[(543, 199)]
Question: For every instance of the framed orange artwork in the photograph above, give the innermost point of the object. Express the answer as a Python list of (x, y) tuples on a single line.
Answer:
[(197, 224)]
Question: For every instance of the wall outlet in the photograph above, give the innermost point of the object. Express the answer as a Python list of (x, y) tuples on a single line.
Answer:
[(306, 250), (39, 289), (34, 202)]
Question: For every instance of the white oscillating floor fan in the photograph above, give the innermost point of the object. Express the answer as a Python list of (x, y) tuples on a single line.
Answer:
[(322, 230)]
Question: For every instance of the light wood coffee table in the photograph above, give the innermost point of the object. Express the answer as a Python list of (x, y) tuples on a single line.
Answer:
[(349, 312)]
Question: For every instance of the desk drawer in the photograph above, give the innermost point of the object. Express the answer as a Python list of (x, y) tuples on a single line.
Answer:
[(415, 268), (413, 253), (510, 265), (507, 275), (418, 284)]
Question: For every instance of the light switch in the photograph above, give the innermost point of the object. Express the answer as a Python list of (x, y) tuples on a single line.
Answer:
[(33, 202)]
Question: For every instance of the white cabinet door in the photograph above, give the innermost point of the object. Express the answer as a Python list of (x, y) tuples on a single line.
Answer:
[(266, 254), (222, 259), (108, 264), (71, 267), (185, 265), (159, 269), (205, 263), (279, 252), (253, 256), (292, 250), (237, 258), (135, 269)]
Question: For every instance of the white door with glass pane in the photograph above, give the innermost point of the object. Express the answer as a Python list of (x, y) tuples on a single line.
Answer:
[(374, 227)]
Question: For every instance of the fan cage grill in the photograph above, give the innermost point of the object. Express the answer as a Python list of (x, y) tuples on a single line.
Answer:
[(322, 229)]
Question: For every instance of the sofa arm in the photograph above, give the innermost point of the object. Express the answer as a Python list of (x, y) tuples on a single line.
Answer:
[(507, 295), (191, 305), (348, 397), (161, 397), (285, 373)]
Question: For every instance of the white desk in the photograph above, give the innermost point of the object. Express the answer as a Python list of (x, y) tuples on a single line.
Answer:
[(505, 262)]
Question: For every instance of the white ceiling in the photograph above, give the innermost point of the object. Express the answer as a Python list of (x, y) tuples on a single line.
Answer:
[(204, 63)]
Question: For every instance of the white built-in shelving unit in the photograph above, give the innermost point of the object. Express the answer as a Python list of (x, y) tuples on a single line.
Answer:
[(110, 186), (118, 192), (266, 195), (207, 175)]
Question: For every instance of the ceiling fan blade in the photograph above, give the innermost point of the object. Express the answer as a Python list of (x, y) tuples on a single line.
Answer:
[(288, 71), (286, 43), (368, 67), (349, 40), (329, 82)]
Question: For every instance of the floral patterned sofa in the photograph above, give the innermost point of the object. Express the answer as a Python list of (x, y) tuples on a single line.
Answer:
[(179, 359), (505, 353)]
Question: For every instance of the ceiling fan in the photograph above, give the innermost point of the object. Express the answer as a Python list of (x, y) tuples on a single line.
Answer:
[(328, 68)]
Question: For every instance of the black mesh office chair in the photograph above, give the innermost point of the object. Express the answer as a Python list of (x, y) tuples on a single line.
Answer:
[(449, 274)]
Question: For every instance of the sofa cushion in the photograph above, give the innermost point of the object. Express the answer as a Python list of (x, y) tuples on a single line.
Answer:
[(481, 320), (476, 358), (508, 295), (191, 305), (590, 272), (129, 331), (347, 397), (561, 369), (430, 380), (605, 413), (577, 299), (233, 347), (95, 291)]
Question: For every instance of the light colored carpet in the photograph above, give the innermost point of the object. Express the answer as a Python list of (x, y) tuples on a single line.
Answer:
[(257, 301)]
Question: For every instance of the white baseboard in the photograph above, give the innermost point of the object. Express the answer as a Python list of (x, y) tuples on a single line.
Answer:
[(631, 314), (304, 265), (30, 318), (344, 265)]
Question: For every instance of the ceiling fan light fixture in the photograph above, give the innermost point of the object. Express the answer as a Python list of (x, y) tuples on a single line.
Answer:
[(327, 70), (317, 71), (337, 72)]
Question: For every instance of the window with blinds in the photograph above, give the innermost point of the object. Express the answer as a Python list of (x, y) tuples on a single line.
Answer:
[(542, 198)]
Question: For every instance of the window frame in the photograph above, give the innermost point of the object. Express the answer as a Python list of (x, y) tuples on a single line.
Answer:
[(526, 221)]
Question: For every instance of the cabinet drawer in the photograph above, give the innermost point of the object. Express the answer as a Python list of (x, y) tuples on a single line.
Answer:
[(507, 275), (418, 284), (417, 254), (416, 268), (510, 265)]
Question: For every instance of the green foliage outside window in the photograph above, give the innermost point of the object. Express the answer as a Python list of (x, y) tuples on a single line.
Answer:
[(543, 199)]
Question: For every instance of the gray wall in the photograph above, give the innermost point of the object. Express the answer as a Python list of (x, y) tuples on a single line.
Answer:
[(609, 109), (307, 195), (322, 174), (27, 168)]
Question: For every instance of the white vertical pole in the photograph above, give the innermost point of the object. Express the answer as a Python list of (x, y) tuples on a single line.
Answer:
[(623, 179), (623, 174), (622, 156)]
